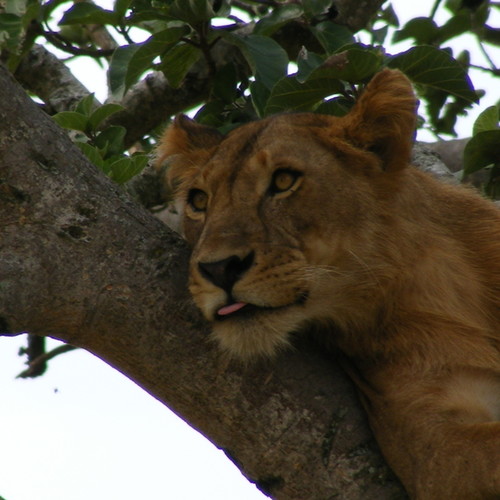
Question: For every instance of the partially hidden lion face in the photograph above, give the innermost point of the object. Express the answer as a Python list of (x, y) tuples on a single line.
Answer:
[(280, 213)]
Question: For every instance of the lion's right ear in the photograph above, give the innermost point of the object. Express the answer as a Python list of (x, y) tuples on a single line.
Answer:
[(384, 119), (186, 145)]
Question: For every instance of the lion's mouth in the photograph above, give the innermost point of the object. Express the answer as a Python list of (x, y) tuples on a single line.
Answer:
[(239, 309), (231, 308)]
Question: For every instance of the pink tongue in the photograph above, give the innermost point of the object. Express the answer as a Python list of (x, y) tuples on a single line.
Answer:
[(231, 308)]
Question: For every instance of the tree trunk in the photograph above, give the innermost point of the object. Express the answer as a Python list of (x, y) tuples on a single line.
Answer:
[(81, 262)]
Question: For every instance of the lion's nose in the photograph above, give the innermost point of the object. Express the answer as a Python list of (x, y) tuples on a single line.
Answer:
[(226, 272)]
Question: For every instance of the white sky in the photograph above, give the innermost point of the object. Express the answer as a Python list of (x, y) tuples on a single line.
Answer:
[(83, 431)]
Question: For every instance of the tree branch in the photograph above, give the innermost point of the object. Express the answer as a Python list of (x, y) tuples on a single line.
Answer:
[(44, 75), (38, 365), (79, 261)]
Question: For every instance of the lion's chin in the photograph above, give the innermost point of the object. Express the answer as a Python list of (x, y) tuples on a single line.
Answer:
[(255, 332)]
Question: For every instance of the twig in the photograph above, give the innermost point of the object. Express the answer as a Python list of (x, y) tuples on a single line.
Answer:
[(486, 55), (61, 43), (33, 365), (434, 9)]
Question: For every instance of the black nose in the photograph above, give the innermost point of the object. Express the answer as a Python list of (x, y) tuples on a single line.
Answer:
[(226, 272)]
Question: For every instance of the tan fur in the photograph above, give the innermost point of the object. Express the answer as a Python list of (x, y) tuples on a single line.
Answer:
[(401, 270)]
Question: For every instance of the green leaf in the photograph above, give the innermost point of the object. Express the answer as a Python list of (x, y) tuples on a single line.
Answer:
[(124, 169), (225, 83), (178, 61), (490, 35), (291, 95), (332, 36), (17, 7), (487, 120), (192, 11), (10, 31), (481, 151), (481, 13), (223, 9), (436, 68), (314, 8), (71, 120), (277, 19), (103, 112), (422, 29), (88, 13), (260, 95), (267, 60), (118, 68), (111, 140), (355, 65), (455, 26), (120, 8), (143, 57), (379, 35), (210, 114), (86, 105), (92, 154), (389, 16), (307, 62), (338, 106)]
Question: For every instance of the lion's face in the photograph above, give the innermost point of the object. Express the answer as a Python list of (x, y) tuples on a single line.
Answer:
[(279, 213)]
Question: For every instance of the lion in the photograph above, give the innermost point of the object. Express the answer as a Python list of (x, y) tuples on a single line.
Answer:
[(303, 219)]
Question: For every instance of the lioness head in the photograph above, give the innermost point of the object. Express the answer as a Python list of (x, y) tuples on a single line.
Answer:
[(279, 213)]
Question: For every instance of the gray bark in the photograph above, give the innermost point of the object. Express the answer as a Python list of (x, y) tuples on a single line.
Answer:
[(81, 262), (43, 74)]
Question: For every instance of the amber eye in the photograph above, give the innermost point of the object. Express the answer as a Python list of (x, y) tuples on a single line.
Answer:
[(284, 180), (198, 200)]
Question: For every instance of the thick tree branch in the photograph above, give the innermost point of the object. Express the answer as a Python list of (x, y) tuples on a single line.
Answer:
[(451, 152), (47, 77), (79, 261)]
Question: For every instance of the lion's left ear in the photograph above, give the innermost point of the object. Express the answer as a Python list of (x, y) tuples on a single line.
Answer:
[(384, 119), (188, 144)]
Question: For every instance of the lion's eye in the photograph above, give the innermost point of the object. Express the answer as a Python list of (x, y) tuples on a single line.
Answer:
[(198, 200), (284, 180)]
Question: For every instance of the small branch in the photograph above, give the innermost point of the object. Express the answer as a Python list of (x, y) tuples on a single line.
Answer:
[(434, 9), (101, 37), (61, 43), (34, 366), (493, 67), (124, 33), (493, 71)]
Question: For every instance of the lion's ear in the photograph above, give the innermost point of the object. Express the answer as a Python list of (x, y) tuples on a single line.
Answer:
[(187, 145), (384, 119)]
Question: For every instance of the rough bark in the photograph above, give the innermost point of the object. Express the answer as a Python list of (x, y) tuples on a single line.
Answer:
[(43, 74), (451, 152), (81, 262), (146, 105)]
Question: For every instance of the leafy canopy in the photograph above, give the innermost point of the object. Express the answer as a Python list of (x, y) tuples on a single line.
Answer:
[(285, 56)]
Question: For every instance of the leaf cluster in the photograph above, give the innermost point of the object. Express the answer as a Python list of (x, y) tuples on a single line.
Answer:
[(104, 148), (262, 75), (483, 151)]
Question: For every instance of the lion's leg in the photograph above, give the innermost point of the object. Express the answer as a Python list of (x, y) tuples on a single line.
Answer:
[(437, 454)]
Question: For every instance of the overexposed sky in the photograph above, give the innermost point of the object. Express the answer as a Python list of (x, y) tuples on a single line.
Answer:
[(83, 431)]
